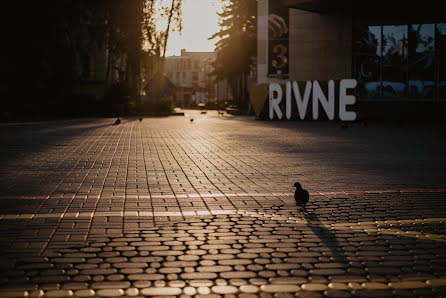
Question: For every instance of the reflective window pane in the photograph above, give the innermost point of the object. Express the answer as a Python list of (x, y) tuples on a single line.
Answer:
[(421, 60), (441, 48), (394, 63), (366, 60)]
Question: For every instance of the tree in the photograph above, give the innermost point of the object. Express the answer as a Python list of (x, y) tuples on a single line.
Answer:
[(237, 46), (48, 54), (155, 43)]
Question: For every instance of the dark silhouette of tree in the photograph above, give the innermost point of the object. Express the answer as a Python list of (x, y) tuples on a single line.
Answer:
[(237, 46), (48, 46)]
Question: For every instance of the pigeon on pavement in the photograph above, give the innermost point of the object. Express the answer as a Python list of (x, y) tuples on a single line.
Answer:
[(301, 195)]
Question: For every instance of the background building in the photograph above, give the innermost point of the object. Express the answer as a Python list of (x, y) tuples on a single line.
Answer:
[(395, 49), (191, 73)]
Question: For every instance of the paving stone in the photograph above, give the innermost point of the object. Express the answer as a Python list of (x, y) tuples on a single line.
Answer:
[(190, 291), (204, 291), (161, 291), (110, 292), (177, 283), (68, 260), (145, 276), (249, 289), (224, 290), (338, 286), (199, 275), (84, 293), (59, 293), (201, 283), (355, 286), (75, 285), (440, 282), (374, 286), (280, 288), (218, 257), (159, 283), (180, 264), (189, 258), (130, 265), (35, 293), (81, 278), (215, 268), (13, 293), (314, 287), (287, 280), (237, 282), (407, 285), (169, 270), (98, 271)]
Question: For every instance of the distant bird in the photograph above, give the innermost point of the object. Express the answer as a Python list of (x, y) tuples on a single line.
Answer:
[(118, 121), (301, 195), (191, 120), (221, 113), (140, 118)]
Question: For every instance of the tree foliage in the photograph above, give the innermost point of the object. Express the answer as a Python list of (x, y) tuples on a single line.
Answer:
[(237, 43), (44, 47)]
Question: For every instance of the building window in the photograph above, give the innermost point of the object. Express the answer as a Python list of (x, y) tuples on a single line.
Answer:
[(441, 54), (394, 61), (367, 59), (400, 61), (421, 60)]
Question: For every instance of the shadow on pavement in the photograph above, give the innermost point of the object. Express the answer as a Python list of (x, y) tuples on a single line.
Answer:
[(325, 235)]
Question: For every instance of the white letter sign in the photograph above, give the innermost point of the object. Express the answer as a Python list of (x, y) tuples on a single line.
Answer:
[(275, 101), (345, 100), (327, 103), (302, 105), (319, 96)]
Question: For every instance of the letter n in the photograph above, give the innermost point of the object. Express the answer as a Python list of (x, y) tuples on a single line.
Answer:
[(319, 96)]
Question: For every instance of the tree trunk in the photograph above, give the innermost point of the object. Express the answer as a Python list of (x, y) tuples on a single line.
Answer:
[(169, 21)]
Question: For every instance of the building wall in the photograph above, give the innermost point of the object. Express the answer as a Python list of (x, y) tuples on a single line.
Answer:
[(320, 46), (190, 73), (262, 41)]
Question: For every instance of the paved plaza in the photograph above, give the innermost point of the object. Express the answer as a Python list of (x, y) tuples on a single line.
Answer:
[(170, 207)]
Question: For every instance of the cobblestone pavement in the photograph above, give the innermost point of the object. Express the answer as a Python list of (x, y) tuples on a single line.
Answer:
[(169, 207)]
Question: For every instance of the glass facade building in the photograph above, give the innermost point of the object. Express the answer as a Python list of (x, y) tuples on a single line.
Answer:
[(400, 62)]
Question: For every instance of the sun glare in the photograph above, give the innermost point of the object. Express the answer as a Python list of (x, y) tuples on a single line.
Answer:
[(200, 21)]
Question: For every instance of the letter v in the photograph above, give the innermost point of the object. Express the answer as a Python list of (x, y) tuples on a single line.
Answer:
[(302, 105)]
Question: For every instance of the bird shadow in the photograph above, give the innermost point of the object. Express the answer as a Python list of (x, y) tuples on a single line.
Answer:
[(325, 235)]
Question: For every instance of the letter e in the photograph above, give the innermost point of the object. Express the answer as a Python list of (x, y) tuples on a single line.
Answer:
[(345, 100)]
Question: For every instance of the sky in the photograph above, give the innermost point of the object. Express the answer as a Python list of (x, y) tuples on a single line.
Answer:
[(200, 21)]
